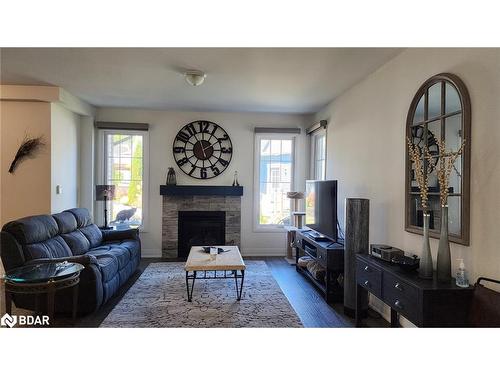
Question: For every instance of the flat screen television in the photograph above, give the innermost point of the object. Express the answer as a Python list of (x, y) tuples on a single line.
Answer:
[(321, 208)]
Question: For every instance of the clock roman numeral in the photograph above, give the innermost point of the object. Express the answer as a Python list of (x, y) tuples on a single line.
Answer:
[(179, 150)]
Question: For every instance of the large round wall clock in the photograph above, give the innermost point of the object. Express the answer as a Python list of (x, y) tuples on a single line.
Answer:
[(202, 149)]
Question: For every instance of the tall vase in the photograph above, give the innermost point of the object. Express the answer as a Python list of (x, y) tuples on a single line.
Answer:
[(171, 179), (425, 269), (444, 255)]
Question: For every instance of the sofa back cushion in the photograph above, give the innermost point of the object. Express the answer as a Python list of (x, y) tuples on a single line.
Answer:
[(78, 231), (77, 242), (66, 222), (93, 234), (82, 216), (54, 247), (32, 229)]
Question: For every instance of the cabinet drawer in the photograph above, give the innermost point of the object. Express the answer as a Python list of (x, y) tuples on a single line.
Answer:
[(369, 277), (321, 257), (401, 296)]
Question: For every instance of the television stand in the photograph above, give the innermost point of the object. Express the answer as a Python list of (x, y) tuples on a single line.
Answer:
[(318, 237), (328, 254)]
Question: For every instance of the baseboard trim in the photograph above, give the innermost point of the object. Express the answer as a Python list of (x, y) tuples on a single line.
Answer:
[(250, 252), (151, 253)]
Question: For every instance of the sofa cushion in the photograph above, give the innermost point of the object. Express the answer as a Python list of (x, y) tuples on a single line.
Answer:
[(82, 216), (52, 248), (77, 242), (32, 229), (66, 222), (108, 265), (93, 234), (122, 254), (133, 246)]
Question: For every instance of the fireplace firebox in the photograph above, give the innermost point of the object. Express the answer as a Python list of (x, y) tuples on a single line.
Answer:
[(200, 228)]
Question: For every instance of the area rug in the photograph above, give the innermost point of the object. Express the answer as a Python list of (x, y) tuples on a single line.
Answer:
[(158, 299)]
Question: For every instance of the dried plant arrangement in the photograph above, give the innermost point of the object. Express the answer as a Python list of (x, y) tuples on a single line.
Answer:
[(444, 168), (418, 158), (28, 149)]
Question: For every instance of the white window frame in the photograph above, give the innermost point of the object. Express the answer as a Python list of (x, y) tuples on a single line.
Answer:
[(263, 228), (101, 169), (313, 137)]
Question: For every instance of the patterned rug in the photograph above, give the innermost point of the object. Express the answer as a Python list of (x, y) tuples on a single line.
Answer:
[(158, 299)]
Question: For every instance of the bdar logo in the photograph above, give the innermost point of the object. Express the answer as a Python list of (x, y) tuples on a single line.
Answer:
[(9, 321)]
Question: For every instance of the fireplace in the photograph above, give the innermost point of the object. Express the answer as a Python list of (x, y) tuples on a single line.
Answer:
[(197, 228)]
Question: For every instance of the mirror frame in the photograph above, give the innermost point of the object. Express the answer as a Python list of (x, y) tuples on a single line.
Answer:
[(457, 83)]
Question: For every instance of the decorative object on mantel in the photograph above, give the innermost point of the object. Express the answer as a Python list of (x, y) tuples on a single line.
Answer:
[(295, 197), (419, 157), (171, 179), (28, 148), (235, 180), (105, 193), (444, 168)]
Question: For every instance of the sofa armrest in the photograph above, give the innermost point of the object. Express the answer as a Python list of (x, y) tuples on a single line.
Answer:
[(84, 260), (119, 235)]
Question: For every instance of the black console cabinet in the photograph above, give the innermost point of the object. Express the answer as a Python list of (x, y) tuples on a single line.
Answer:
[(331, 256), (426, 303)]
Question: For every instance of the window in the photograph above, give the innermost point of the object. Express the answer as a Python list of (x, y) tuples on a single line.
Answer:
[(318, 155), (124, 165), (274, 178)]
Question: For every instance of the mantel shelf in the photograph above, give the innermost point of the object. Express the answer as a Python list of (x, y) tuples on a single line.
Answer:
[(201, 190)]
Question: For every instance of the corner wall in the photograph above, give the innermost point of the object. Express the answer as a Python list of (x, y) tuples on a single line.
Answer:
[(65, 164), (366, 148)]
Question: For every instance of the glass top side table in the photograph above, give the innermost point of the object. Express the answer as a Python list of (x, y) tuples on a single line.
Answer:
[(43, 278)]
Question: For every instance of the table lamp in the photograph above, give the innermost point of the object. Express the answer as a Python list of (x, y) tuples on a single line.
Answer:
[(105, 193)]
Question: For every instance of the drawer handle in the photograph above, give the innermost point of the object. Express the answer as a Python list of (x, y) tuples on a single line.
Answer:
[(367, 283), (398, 287), (367, 269), (398, 304)]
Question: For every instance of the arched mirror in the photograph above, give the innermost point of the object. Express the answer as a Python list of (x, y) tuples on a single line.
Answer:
[(440, 110)]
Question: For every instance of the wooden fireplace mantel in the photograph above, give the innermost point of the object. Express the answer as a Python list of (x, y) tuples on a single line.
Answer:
[(201, 190)]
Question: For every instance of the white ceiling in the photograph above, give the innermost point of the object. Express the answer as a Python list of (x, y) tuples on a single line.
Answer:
[(288, 80)]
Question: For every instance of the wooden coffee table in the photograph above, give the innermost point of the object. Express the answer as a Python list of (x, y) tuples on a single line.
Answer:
[(226, 265)]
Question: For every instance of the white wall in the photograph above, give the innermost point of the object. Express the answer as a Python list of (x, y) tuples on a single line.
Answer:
[(366, 146), (164, 125), (87, 161), (65, 165)]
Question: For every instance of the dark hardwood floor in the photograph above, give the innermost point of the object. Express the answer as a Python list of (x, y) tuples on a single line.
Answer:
[(302, 295)]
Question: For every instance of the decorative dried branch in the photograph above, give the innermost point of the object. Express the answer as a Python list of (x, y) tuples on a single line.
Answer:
[(28, 148), (444, 168), (418, 158)]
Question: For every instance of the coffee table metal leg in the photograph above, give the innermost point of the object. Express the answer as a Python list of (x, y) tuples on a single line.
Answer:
[(239, 289), (190, 292)]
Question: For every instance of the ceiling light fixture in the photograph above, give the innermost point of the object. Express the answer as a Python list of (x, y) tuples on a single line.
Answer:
[(195, 77)]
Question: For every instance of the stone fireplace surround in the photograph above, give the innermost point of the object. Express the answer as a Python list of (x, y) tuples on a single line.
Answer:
[(172, 204)]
